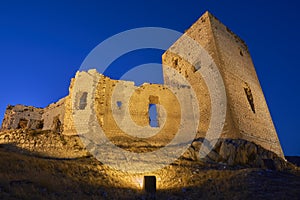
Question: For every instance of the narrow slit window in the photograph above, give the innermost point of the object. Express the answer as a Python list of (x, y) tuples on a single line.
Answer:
[(241, 53), (249, 97), (153, 122), (83, 101)]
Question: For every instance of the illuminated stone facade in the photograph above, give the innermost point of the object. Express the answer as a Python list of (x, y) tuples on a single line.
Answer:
[(247, 115)]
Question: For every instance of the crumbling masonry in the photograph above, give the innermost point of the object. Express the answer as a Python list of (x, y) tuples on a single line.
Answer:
[(247, 114)]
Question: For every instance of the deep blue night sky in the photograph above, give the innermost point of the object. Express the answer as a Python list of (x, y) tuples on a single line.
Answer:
[(43, 43)]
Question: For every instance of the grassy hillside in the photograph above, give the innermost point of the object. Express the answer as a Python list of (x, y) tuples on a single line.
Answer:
[(24, 175)]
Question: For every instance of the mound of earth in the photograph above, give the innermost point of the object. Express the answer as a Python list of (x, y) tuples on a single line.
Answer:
[(248, 172)]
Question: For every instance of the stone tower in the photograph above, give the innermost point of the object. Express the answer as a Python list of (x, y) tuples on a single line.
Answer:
[(247, 115)]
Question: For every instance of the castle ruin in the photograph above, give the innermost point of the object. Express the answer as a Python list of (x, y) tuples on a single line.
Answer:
[(247, 114)]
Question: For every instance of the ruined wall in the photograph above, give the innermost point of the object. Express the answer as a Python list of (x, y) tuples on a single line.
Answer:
[(21, 116), (114, 97), (248, 116), (43, 143), (53, 115), (138, 112), (29, 117), (200, 31), (68, 123)]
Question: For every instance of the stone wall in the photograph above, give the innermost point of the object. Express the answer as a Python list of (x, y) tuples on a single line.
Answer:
[(117, 124), (21, 116), (29, 117), (53, 115), (114, 97), (248, 106), (44, 143), (68, 125), (247, 115)]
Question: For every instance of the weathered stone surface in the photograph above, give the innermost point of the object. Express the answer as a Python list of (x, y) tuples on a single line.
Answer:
[(246, 116), (21, 116), (237, 152), (45, 143), (53, 113)]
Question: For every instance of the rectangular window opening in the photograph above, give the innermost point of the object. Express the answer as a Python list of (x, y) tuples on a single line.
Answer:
[(153, 119)]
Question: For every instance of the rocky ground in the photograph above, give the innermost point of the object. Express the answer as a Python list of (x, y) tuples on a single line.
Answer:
[(47, 165)]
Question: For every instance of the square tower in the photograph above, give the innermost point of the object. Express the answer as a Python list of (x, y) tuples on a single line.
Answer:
[(247, 115)]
